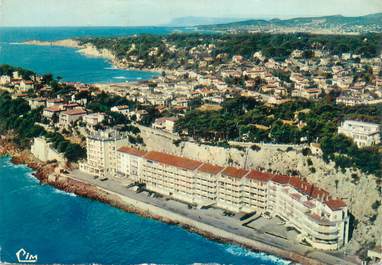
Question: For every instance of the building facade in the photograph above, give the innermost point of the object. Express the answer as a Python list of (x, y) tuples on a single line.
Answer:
[(67, 118), (363, 133), (101, 149), (321, 220)]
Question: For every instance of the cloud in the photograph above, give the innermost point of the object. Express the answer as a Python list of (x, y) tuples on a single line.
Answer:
[(156, 12)]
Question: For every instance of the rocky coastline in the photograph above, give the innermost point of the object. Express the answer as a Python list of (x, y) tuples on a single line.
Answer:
[(90, 50), (24, 157), (44, 172)]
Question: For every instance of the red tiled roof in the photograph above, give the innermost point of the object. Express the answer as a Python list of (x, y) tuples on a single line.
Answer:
[(281, 179), (55, 100), (262, 176), (235, 172), (53, 109), (172, 160), (131, 151), (308, 189), (335, 204), (318, 193), (75, 112), (71, 105), (211, 169), (301, 185)]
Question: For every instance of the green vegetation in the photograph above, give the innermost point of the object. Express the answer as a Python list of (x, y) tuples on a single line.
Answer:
[(245, 119), (278, 46), (6, 69), (103, 102), (16, 117), (73, 152)]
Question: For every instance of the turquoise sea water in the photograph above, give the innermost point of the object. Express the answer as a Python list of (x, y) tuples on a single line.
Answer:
[(66, 229), (67, 62)]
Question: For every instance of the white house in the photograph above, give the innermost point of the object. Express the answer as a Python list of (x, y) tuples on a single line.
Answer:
[(123, 109), (165, 124), (362, 133)]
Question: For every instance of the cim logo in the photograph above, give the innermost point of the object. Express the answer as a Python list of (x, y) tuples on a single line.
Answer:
[(25, 257)]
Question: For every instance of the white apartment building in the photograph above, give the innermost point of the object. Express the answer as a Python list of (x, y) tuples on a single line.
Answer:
[(205, 184), (129, 162), (321, 220), (229, 188), (170, 175), (362, 133), (101, 152)]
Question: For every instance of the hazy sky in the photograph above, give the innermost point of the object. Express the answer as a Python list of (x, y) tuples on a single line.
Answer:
[(157, 12)]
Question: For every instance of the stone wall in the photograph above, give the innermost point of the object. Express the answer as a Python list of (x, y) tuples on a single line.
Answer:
[(42, 150), (358, 189)]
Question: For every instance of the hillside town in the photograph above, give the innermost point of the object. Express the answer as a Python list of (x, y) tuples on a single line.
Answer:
[(97, 127)]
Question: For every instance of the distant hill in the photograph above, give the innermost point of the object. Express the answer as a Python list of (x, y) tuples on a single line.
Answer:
[(194, 21), (336, 23)]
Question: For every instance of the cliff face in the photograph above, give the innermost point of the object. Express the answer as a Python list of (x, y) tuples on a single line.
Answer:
[(92, 51), (86, 50), (361, 191)]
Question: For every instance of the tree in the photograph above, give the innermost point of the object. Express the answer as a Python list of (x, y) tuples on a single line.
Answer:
[(74, 152)]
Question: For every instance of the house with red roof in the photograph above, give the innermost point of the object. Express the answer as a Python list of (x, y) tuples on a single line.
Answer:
[(69, 117), (49, 112)]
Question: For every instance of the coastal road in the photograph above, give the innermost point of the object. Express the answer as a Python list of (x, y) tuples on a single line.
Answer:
[(212, 217)]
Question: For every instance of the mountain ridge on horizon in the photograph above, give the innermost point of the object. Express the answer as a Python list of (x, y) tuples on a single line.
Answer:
[(347, 22)]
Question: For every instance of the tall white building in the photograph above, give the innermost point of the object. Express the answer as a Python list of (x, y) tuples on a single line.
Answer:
[(101, 149), (362, 133), (321, 220)]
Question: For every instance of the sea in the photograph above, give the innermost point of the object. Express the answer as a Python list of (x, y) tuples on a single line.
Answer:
[(62, 228), (67, 62)]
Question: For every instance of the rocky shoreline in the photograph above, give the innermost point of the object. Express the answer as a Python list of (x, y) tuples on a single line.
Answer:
[(90, 50), (24, 157), (44, 173)]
